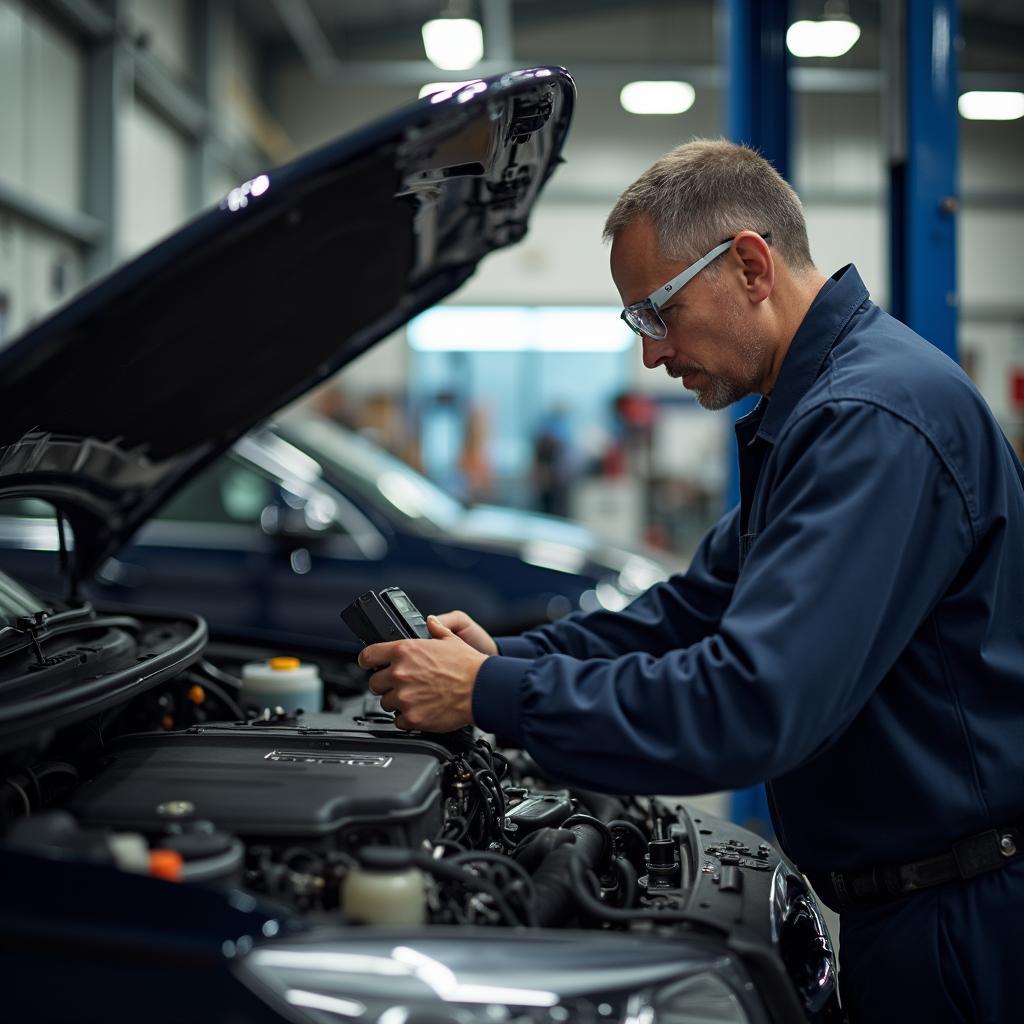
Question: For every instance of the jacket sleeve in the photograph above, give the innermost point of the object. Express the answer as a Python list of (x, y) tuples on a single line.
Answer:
[(677, 612), (866, 528)]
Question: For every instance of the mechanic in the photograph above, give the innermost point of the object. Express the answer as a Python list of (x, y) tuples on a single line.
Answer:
[(851, 632)]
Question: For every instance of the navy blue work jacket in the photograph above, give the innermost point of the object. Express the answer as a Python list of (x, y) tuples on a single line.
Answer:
[(852, 632)]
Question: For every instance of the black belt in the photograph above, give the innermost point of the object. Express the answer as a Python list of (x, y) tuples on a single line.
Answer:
[(969, 857)]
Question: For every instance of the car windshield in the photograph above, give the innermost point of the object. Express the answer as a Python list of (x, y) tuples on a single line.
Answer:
[(371, 469), (16, 602)]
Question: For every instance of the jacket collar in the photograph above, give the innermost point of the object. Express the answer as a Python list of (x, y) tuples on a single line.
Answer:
[(840, 297)]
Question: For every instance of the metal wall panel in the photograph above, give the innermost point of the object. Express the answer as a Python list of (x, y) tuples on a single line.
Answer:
[(52, 272), (237, 76), (154, 197), (842, 233), (41, 163), (988, 274), (38, 271), (165, 24), (12, 274), (837, 144), (12, 99), (54, 95)]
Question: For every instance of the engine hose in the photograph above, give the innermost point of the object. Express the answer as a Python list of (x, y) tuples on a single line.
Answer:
[(584, 893), (555, 895), (601, 805), (631, 829), (537, 845), (607, 844), (521, 880), (627, 880), (489, 857), (451, 872)]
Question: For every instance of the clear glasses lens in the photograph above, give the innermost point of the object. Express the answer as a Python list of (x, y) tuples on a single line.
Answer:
[(644, 319)]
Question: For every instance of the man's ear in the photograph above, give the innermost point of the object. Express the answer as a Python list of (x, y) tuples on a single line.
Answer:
[(756, 265)]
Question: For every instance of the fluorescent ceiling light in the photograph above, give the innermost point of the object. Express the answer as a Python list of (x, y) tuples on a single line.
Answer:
[(453, 44), (657, 97), (991, 106), (830, 37), (519, 329)]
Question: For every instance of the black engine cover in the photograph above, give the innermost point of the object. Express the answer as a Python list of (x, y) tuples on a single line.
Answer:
[(267, 785)]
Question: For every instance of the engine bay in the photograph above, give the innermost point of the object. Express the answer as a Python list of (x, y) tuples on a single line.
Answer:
[(340, 817)]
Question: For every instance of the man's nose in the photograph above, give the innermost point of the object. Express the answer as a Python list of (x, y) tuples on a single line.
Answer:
[(655, 351)]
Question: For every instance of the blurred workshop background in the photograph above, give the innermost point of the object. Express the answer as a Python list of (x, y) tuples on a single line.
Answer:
[(120, 119)]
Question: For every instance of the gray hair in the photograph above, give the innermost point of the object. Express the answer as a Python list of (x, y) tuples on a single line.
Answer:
[(708, 190)]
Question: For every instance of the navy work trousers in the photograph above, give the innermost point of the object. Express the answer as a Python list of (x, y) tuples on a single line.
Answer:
[(954, 953)]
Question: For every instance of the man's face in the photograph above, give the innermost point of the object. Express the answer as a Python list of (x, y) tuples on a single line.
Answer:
[(713, 344)]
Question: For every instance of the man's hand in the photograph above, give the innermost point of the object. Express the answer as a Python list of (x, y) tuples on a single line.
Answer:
[(466, 629), (429, 683)]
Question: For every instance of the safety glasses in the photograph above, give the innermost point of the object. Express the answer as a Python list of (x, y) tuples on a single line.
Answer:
[(644, 318)]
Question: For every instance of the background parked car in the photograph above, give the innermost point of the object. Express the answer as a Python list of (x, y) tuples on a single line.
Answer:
[(305, 514)]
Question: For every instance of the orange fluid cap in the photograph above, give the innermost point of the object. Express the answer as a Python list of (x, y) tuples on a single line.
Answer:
[(196, 694), (284, 664), (165, 864)]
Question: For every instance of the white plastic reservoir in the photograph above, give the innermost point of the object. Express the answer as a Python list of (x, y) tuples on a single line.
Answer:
[(282, 683)]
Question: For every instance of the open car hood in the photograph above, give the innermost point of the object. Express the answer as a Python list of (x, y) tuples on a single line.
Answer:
[(116, 400)]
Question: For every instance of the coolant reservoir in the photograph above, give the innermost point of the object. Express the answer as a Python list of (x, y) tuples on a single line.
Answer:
[(384, 897), (282, 683)]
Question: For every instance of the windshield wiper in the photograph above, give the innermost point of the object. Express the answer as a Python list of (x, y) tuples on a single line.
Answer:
[(33, 630), (30, 626)]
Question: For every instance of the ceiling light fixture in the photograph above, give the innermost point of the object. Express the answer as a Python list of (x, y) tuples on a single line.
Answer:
[(453, 44), (832, 35), (657, 97), (991, 106)]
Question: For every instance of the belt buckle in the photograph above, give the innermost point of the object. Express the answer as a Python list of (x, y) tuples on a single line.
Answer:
[(978, 854)]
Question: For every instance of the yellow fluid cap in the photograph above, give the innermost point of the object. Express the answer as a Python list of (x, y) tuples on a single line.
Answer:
[(166, 864), (284, 664)]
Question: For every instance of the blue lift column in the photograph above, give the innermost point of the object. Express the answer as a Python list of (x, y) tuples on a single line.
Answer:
[(921, 123), (758, 114), (757, 109)]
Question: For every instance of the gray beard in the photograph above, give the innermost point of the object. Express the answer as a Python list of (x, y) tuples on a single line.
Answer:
[(721, 392)]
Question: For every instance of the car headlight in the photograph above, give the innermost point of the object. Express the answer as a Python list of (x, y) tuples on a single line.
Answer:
[(489, 980)]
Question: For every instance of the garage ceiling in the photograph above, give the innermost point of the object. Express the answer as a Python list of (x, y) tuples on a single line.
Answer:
[(596, 30)]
